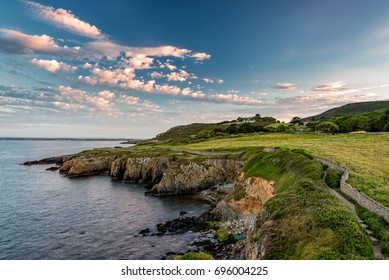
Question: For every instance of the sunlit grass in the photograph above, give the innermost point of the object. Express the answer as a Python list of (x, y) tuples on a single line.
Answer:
[(366, 156)]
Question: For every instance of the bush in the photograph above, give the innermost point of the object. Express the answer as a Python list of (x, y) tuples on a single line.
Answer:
[(327, 127)]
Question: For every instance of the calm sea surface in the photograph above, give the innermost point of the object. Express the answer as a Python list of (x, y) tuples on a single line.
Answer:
[(44, 215)]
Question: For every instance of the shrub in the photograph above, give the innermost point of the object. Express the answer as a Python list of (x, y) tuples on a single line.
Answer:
[(327, 127)]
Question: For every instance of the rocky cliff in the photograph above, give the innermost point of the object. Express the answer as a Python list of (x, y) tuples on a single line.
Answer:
[(247, 198), (163, 175)]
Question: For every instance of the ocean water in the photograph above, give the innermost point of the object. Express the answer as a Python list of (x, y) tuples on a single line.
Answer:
[(44, 215)]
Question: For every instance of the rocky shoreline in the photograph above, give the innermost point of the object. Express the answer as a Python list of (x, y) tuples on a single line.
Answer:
[(222, 229)]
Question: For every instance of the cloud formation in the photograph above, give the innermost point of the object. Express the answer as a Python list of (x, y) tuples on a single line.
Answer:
[(53, 66), (285, 86), (335, 88), (201, 56), (235, 99), (64, 19), (15, 42)]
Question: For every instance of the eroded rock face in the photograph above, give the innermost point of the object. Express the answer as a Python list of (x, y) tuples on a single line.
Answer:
[(254, 192), (190, 177), (165, 175), (258, 191)]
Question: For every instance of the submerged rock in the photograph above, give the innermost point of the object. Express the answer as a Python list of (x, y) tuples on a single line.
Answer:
[(53, 168)]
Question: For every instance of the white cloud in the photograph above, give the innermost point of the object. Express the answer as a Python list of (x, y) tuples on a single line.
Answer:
[(322, 99), (106, 94), (166, 89), (15, 42), (180, 76), (149, 105), (335, 88), (53, 66), (141, 61), (208, 81), (87, 66), (64, 19), (201, 56), (235, 99), (170, 66), (220, 81), (157, 75), (329, 87), (111, 50), (129, 100), (174, 76), (68, 106)]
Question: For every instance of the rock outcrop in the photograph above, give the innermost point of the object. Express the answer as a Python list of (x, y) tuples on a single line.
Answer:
[(51, 160), (163, 175), (247, 198), (189, 176), (86, 166)]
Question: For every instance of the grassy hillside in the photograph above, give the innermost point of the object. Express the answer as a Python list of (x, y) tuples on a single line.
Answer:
[(304, 220), (372, 121), (350, 109), (200, 131), (367, 156)]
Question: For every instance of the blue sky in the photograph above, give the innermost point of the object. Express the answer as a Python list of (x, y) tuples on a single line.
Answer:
[(133, 68)]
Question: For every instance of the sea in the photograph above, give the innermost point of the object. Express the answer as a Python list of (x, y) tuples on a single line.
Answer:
[(47, 216)]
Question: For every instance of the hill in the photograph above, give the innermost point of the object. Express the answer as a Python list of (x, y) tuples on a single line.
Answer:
[(350, 109), (201, 131)]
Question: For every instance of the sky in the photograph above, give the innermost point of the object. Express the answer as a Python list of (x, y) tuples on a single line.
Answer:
[(135, 68)]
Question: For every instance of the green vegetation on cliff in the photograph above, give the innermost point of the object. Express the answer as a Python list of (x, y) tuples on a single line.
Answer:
[(306, 220)]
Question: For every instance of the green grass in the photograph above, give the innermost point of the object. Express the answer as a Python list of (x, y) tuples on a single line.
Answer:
[(366, 156), (308, 222), (195, 256), (333, 177)]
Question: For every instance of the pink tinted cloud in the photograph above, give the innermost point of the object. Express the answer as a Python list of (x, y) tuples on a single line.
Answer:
[(285, 86), (64, 19), (235, 99), (53, 66), (16, 42)]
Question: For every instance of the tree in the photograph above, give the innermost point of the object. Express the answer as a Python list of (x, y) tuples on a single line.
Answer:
[(232, 129), (296, 120), (281, 128), (246, 128), (312, 125), (327, 127)]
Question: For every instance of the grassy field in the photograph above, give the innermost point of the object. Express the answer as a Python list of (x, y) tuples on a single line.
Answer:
[(367, 156)]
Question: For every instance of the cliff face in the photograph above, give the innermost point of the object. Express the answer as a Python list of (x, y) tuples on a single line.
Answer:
[(189, 177), (86, 166), (246, 199), (165, 175)]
